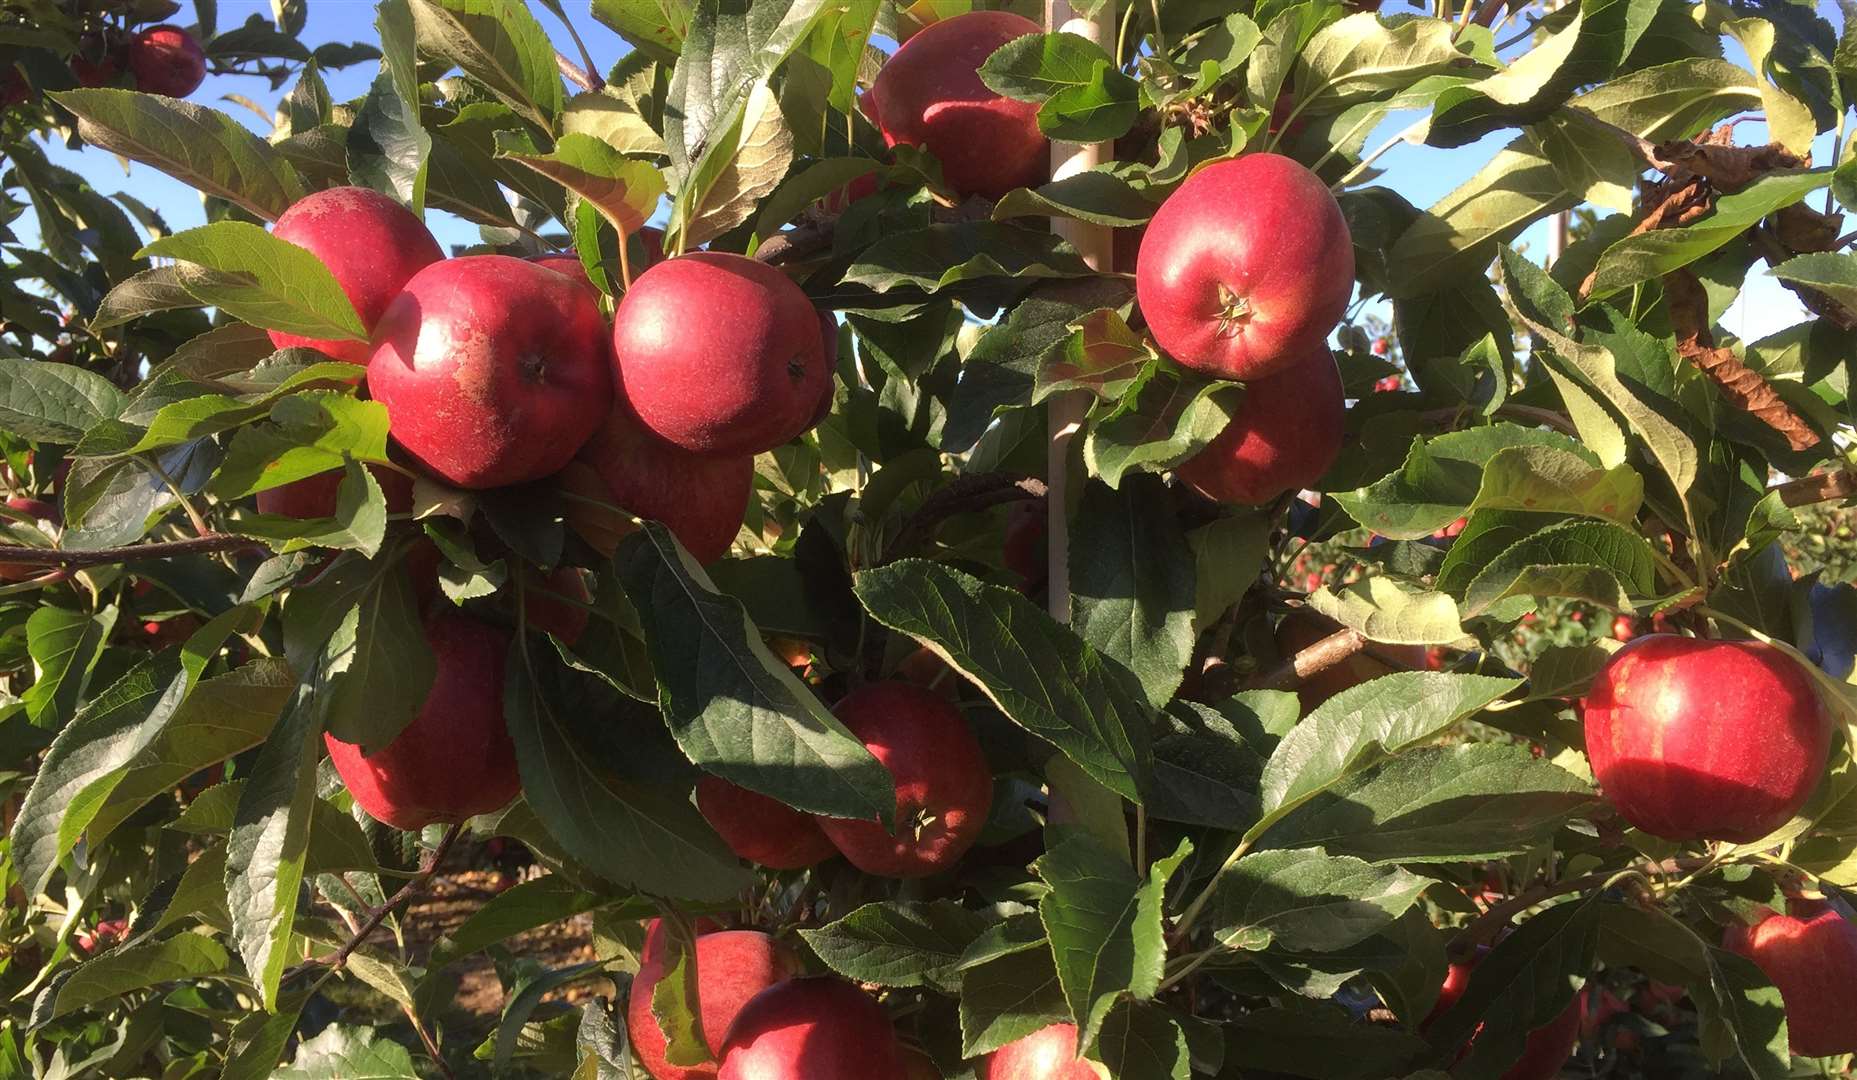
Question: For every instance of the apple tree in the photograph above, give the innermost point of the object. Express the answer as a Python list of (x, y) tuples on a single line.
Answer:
[(960, 542)]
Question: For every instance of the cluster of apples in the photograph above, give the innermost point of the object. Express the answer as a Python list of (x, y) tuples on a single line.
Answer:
[(165, 60)]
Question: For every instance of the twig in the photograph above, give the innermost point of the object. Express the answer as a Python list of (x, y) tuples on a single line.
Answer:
[(199, 523), (378, 915), (1317, 658), (798, 242), (965, 495), (165, 549), (574, 73), (1817, 488), (1491, 922), (1547, 418)]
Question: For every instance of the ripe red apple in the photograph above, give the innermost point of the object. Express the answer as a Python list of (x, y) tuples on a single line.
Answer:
[(1713, 740), (554, 605), (1811, 955), (455, 760), (372, 246), (41, 511), (1047, 1054), (314, 496), (732, 966), (764, 831), (1547, 1048), (917, 1066), (647, 248), (1245, 268), (494, 370), (97, 62), (930, 94), (13, 88), (701, 498), (1284, 436), (811, 1029), (167, 60), (943, 786), (720, 354), (1302, 628)]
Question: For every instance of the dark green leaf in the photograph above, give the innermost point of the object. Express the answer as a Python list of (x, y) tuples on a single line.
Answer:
[(1306, 900), (899, 944), (1132, 582)]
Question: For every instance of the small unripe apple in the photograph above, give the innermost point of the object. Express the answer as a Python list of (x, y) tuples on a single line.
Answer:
[(1284, 436), (732, 966), (557, 604), (764, 831), (1714, 740), (930, 94), (701, 498), (1245, 268), (943, 786), (811, 1029), (168, 61), (315, 496), (1811, 955), (38, 510), (494, 370), (1047, 1054), (372, 246), (720, 354), (455, 760)]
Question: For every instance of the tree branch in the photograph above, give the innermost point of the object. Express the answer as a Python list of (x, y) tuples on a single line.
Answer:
[(966, 495), (378, 915), (164, 549), (1317, 658), (1487, 925), (1817, 488)]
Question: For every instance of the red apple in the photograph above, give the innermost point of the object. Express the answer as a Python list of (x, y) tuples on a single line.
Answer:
[(1547, 1048), (647, 249), (167, 60), (372, 246), (764, 831), (568, 266), (1712, 740), (701, 498), (1025, 553), (1047, 1054), (556, 605), (455, 760), (732, 966), (811, 1029), (494, 371), (41, 511), (97, 63), (943, 786), (314, 496), (13, 88), (720, 354), (1811, 955), (930, 94), (1245, 268), (1286, 433)]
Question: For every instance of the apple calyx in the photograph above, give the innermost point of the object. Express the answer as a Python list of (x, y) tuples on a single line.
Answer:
[(1234, 311)]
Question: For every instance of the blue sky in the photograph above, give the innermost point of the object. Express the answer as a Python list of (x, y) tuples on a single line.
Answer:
[(1422, 174)]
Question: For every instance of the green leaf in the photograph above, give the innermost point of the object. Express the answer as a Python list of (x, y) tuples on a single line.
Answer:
[(1439, 804), (1326, 1042), (1441, 478), (54, 402), (899, 943), (1590, 560), (1525, 982), (159, 288), (270, 842), (1387, 610), (1092, 915), (258, 1040), (935, 257), (1307, 900), (138, 965), (1007, 998), (601, 1043), (348, 1053), (656, 27), (1457, 236), (308, 434), (1674, 100), (1651, 255), (1132, 584), (1361, 56), (649, 838), (1834, 275), (202, 148), (1039, 673), (498, 43), (388, 149), (65, 646), (519, 909), (1363, 725), (1788, 119), (263, 280), (1555, 479), (1168, 420), (614, 120), (357, 634), (1145, 1042), (1099, 196), (1100, 109), (625, 192), (1228, 555), (1205, 767), (735, 709), (1743, 1009), (1037, 66)]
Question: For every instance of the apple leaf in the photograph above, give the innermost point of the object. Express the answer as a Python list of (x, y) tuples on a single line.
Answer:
[(674, 1003), (735, 709), (1524, 983), (935, 257), (1597, 561), (1040, 674), (201, 147), (159, 288), (1166, 421), (1673, 100), (64, 647), (1141, 1041), (1100, 196), (1360, 56), (135, 966), (1457, 236), (1206, 767), (1009, 997), (1385, 609), (656, 27), (388, 149), (499, 43), (625, 192), (1323, 1039), (1439, 804), (1307, 900), (900, 943), (1104, 923), (54, 402), (252, 275), (307, 434), (341, 1052), (1132, 582)]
